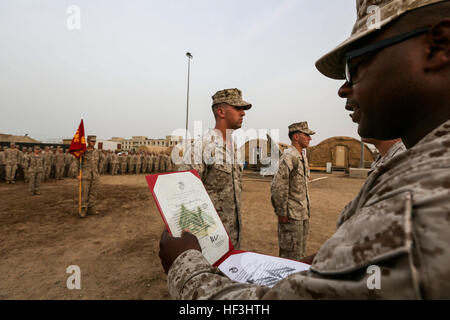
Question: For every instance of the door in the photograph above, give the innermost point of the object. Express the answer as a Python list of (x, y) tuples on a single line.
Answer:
[(340, 157)]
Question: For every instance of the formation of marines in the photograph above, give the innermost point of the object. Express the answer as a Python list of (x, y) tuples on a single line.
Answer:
[(34, 165), (60, 163)]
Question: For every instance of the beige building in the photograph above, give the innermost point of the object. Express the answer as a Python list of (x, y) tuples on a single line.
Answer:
[(139, 141)]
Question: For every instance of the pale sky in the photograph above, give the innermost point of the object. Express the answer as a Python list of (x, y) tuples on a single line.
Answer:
[(125, 70)]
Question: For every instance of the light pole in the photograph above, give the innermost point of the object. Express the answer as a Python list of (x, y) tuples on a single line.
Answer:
[(189, 55)]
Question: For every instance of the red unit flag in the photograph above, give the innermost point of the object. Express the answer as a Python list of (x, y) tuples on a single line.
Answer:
[(78, 144)]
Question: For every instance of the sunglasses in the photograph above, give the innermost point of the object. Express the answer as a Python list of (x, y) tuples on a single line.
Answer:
[(351, 70)]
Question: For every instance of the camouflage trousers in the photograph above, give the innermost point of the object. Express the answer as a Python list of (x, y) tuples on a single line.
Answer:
[(35, 179), (73, 170), (138, 168), (114, 168), (10, 172), (123, 168), (89, 190), (292, 238), (48, 170), (59, 173)]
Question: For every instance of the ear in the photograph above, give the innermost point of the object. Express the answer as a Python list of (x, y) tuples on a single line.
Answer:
[(438, 52), (221, 112)]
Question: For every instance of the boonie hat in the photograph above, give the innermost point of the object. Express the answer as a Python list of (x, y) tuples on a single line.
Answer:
[(332, 64)]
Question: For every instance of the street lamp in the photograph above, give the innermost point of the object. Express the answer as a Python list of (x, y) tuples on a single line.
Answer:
[(189, 56)]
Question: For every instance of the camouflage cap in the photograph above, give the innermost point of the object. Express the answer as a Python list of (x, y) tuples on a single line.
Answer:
[(233, 97), (332, 64), (300, 127), (92, 138)]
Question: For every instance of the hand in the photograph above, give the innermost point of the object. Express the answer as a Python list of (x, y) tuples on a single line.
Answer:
[(308, 259), (283, 219), (79, 178), (170, 247)]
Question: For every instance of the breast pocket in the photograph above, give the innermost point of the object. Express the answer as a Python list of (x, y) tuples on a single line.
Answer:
[(219, 175)]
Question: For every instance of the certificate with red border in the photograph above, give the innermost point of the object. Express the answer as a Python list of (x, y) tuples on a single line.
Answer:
[(184, 203)]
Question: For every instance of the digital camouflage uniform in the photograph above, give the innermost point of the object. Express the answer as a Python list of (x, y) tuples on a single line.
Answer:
[(162, 163), (399, 221), (156, 163), (24, 163), (48, 159), (394, 150), (114, 163), (36, 168), (11, 162), (290, 197), (143, 163), (74, 167), (130, 163), (221, 178), (149, 163), (67, 161), (138, 163), (59, 164), (123, 163), (90, 179)]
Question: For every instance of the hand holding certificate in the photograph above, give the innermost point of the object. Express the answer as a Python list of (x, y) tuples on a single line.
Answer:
[(184, 204)]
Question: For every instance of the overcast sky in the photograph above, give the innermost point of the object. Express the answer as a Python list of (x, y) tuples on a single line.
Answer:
[(125, 70)]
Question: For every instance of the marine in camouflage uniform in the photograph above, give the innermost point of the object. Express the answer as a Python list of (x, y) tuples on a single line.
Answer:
[(90, 178), (74, 166), (12, 156), (123, 163), (67, 161), (24, 161), (138, 163), (101, 161), (220, 171), (148, 159), (59, 164), (156, 162), (144, 162), (36, 168), (130, 162), (290, 195), (114, 163), (399, 221), (48, 158), (162, 163)]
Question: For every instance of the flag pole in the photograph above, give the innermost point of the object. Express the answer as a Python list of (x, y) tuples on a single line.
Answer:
[(79, 193)]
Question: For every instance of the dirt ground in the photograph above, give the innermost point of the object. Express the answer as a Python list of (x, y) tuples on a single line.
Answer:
[(117, 252)]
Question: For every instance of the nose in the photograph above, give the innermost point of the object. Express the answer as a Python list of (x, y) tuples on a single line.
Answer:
[(345, 90)]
